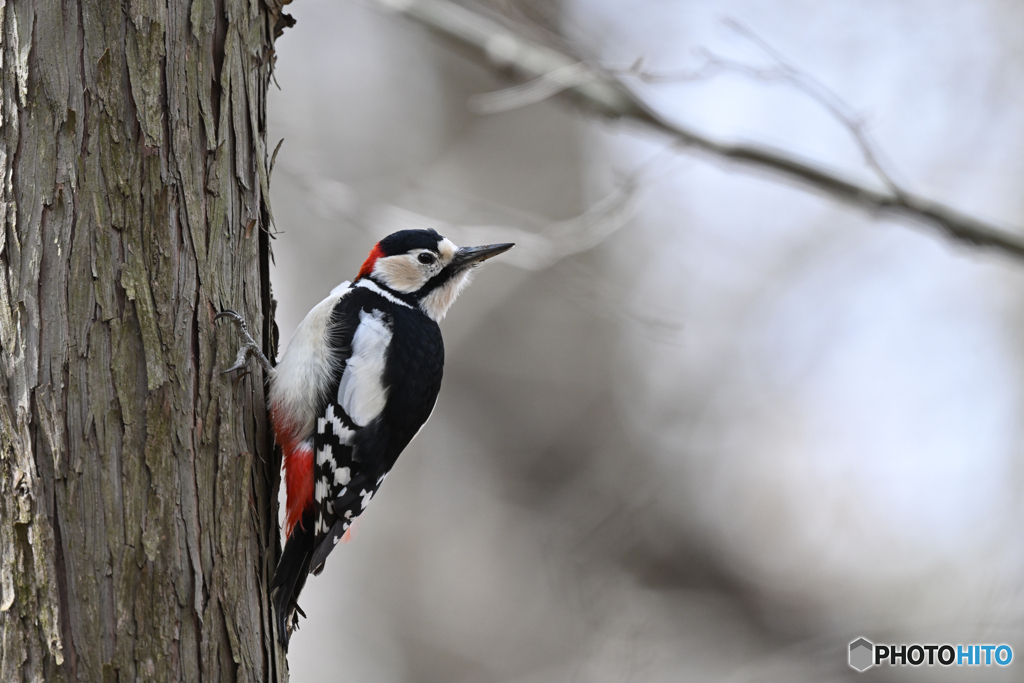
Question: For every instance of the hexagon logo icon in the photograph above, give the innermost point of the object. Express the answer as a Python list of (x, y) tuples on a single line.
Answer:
[(862, 654)]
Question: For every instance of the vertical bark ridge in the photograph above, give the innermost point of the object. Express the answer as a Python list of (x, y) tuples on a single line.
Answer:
[(137, 520)]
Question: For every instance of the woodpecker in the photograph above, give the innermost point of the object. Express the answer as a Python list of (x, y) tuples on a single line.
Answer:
[(357, 382)]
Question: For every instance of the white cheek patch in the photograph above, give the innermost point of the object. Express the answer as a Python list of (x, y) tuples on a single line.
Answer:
[(361, 391), (403, 273)]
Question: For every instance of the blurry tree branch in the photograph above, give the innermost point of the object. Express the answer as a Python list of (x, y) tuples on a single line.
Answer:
[(551, 71), (782, 71)]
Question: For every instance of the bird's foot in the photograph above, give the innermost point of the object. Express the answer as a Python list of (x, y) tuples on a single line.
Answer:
[(249, 346)]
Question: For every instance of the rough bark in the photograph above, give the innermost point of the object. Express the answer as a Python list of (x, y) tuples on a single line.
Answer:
[(137, 503)]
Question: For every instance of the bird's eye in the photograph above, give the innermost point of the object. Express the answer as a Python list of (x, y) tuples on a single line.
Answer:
[(426, 258)]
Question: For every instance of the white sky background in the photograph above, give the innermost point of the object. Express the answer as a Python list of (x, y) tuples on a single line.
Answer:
[(825, 408)]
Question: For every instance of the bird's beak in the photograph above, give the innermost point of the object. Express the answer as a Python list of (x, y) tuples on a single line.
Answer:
[(470, 256)]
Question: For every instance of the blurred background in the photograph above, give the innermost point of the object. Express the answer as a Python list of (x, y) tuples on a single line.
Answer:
[(701, 424)]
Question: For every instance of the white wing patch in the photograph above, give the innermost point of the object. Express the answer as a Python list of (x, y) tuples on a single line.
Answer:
[(361, 392)]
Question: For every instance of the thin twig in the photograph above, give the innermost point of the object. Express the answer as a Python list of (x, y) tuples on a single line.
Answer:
[(531, 92), (602, 92), (782, 72)]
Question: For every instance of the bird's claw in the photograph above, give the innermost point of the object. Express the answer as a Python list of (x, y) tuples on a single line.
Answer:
[(238, 365), (249, 346)]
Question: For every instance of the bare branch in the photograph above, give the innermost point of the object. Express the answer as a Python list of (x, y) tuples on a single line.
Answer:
[(602, 92), (783, 72), (827, 98), (531, 92)]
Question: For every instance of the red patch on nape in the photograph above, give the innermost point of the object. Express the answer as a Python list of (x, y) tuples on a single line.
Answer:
[(367, 268)]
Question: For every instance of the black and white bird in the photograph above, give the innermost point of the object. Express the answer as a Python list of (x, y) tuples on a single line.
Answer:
[(357, 382)]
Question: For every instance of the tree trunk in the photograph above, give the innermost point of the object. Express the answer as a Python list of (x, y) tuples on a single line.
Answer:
[(137, 484)]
